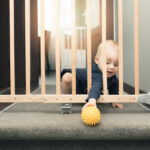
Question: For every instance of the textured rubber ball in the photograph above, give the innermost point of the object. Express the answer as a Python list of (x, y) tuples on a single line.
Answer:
[(91, 115)]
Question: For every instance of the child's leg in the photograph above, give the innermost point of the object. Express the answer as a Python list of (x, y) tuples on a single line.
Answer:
[(67, 83)]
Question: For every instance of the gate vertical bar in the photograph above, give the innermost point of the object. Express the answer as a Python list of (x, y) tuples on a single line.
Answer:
[(104, 46), (136, 46), (81, 38), (42, 48), (89, 74), (12, 47), (57, 47), (73, 49), (27, 44), (120, 19)]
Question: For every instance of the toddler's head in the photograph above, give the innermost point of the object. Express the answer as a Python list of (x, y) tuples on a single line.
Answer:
[(112, 57)]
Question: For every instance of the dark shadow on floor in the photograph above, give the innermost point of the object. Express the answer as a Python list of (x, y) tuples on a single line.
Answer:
[(74, 145)]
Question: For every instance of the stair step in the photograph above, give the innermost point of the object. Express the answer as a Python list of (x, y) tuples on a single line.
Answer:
[(28, 121)]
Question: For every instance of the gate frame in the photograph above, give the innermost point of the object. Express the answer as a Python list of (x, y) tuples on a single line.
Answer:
[(58, 98)]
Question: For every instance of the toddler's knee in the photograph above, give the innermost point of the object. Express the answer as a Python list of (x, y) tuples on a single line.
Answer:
[(67, 78)]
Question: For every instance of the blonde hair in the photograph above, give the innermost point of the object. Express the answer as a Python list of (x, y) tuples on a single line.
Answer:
[(110, 43)]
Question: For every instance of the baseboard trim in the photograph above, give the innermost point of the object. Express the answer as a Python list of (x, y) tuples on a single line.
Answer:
[(130, 89)]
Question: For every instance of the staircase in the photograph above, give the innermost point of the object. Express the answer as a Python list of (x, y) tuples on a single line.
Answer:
[(33, 122), (42, 126)]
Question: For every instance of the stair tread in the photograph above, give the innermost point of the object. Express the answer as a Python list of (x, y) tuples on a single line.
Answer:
[(44, 121)]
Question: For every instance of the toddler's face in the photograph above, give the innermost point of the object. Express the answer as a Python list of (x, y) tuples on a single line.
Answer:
[(112, 62)]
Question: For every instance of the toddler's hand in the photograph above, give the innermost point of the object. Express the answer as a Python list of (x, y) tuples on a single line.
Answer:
[(91, 101), (120, 106)]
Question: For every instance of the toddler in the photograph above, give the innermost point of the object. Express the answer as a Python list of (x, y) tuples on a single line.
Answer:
[(112, 66)]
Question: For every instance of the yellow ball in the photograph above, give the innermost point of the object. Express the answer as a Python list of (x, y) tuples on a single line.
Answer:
[(91, 115)]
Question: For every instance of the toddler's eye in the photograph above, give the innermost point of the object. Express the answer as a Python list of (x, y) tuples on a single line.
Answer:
[(108, 63), (116, 65)]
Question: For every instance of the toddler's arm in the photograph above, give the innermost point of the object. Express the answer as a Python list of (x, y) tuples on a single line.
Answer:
[(91, 101)]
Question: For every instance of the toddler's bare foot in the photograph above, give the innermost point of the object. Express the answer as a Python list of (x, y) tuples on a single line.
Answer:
[(120, 106)]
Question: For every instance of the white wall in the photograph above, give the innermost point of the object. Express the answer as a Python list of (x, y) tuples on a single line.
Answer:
[(144, 43)]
